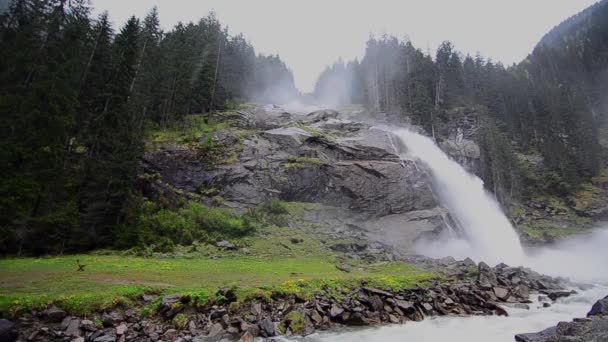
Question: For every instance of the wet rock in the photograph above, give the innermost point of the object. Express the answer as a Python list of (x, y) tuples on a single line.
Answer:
[(558, 294), (267, 328), (7, 332), (521, 291), (53, 315), (542, 336), (405, 306), (216, 331), (600, 308), (487, 277), (501, 293), (357, 319), (335, 311), (291, 137)]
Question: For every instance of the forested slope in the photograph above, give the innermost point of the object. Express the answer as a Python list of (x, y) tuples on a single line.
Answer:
[(76, 98)]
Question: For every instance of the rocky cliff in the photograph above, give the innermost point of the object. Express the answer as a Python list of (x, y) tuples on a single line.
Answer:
[(320, 157)]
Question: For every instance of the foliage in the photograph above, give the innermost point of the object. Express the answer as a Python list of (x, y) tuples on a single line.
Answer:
[(164, 227), (296, 162)]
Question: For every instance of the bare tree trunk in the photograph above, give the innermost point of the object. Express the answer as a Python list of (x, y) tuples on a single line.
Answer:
[(138, 67), (217, 66), (86, 70)]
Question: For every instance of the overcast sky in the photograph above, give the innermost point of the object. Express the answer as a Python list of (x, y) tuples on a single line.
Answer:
[(309, 34)]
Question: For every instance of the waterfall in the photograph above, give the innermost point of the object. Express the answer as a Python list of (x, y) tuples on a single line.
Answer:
[(487, 234)]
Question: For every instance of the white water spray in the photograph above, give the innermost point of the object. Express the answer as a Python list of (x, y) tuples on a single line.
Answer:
[(489, 235)]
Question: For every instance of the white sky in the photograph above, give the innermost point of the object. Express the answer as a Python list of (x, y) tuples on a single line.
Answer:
[(310, 34)]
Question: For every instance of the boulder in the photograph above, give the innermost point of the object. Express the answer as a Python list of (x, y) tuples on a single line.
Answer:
[(121, 329), (501, 293), (542, 336), (53, 315), (600, 308), (216, 330), (335, 311), (73, 328), (7, 331), (405, 306), (487, 277), (267, 328), (225, 245)]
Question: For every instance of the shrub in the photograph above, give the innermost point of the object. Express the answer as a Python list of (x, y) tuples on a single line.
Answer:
[(192, 222)]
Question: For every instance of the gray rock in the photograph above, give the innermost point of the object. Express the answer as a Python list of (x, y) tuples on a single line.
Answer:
[(53, 315), (322, 115), (109, 319), (501, 293), (335, 311), (291, 137), (73, 328), (170, 299), (87, 325), (216, 330), (521, 291), (256, 309), (105, 338), (267, 328), (542, 336), (7, 331), (600, 308), (121, 329), (487, 277), (225, 245), (405, 306)]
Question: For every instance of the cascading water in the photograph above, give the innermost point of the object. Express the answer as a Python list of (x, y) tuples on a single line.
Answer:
[(488, 234)]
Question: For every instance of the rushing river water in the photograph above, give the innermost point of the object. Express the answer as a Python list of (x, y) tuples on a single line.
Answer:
[(473, 329), (487, 235)]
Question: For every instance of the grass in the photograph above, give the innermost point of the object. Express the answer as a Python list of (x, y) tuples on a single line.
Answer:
[(111, 280), (295, 162), (540, 229), (188, 131)]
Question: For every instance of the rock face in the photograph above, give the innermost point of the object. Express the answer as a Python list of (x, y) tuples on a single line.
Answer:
[(592, 328), (318, 158), (461, 135)]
